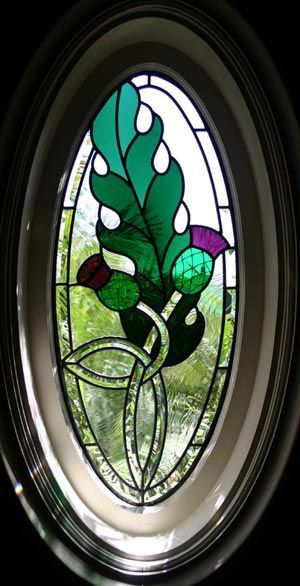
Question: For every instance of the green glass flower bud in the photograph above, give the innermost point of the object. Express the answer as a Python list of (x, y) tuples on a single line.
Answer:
[(120, 292), (192, 270)]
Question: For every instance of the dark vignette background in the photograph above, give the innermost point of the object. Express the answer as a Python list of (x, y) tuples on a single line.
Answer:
[(271, 552)]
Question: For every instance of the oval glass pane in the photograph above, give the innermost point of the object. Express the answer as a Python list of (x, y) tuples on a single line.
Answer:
[(146, 289)]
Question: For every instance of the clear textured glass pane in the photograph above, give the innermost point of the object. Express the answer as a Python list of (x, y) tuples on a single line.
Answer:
[(211, 409), (227, 227), (105, 412), (62, 318), (84, 242), (109, 476), (77, 170), (110, 362), (230, 268), (145, 421), (171, 481), (214, 166), (62, 252), (76, 406), (229, 327), (181, 98), (89, 318)]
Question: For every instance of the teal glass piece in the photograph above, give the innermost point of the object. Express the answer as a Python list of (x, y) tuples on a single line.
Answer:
[(128, 106), (192, 270), (146, 314), (113, 128), (139, 161), (105, 139)]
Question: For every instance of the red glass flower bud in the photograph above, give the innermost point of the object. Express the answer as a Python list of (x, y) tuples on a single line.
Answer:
[(94, 272)]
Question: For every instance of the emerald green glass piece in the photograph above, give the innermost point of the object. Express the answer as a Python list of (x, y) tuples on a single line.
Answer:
[(160, 213), (139, 159), (120, 292), (192, 270), (183, 340), (177, 243)]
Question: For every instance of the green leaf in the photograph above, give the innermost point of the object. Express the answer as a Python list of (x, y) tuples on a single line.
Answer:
[(115, 193), (131, 242), (184, 338), (139, 159), (143, 198), (114, 127), (136, 324), (192, 270), (177, 243), (147, 203), (163, 198)]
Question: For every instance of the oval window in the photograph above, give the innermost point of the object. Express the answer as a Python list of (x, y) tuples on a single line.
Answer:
[(145, 289), (149, 302)]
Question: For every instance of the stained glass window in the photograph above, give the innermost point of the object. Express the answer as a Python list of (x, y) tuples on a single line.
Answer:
[(146, 289)]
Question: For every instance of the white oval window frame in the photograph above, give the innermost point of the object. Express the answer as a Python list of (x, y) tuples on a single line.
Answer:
[(198, 510)]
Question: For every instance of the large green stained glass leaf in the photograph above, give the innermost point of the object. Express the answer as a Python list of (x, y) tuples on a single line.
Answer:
[(146, 299)]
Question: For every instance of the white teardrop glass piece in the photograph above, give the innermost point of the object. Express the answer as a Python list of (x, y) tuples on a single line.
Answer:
[(119, 262), (100, 165), (110, 219), (144, 119), (161, 160), (181, 219), (191, 317)]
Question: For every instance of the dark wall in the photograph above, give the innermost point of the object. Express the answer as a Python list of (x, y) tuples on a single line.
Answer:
[(271, 553)]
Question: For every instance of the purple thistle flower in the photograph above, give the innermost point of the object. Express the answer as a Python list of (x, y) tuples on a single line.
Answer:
[(208, 239)]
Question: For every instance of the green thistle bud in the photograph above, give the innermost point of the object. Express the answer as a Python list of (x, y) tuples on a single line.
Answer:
[(192, 270)]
